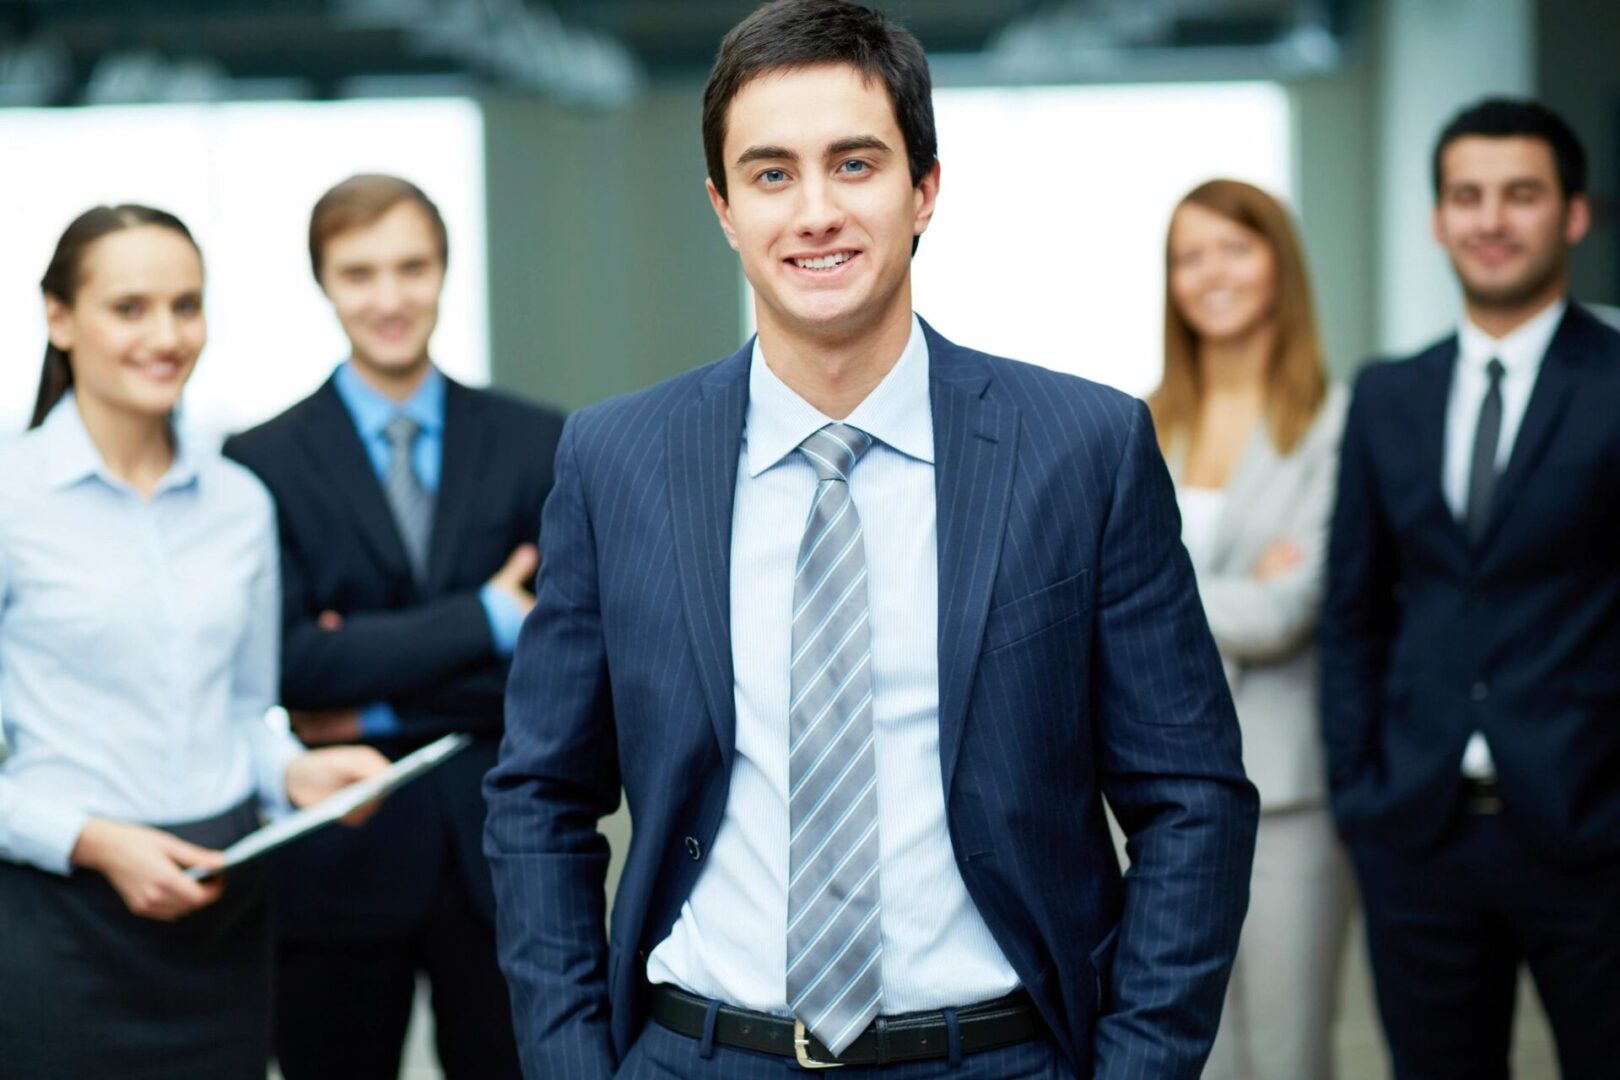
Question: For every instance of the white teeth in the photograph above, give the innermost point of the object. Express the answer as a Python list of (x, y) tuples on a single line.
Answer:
[(825, 262)]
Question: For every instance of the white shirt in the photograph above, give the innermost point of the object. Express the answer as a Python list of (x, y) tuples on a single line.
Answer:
[(730, 940), (1520, 353), (1201, 510), (138, 642)]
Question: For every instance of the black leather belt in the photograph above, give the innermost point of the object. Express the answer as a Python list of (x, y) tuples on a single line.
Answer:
[(1481, 796), (917, 1036)]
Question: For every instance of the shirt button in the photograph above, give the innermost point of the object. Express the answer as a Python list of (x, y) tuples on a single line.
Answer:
[(1479, 691), (693, 848)]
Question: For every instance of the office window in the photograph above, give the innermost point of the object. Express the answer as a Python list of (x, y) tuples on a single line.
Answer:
[(243, 177)]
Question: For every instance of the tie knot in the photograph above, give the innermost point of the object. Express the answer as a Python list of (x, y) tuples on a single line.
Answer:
[(1495, 370), (835, 449), (401, 431)]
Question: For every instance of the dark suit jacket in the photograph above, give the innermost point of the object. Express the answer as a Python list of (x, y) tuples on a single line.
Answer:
[(1427, 638), (425, 649), (1074, 662)]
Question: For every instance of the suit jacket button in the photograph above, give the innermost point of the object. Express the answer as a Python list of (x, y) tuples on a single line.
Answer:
[(1479, 691), (693, 848)]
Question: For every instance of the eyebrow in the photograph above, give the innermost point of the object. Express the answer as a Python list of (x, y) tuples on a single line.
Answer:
[(1510, 182), (838, 146)]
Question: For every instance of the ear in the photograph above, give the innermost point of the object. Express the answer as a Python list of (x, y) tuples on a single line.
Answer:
[(722, 211), (1577, 219), (925, 195), (59, 323)]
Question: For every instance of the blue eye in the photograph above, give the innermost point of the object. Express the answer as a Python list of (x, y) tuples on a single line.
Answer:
[(854, 166), (773, 176)]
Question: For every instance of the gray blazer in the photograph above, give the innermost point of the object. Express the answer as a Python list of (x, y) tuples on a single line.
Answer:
[(1266, 629)]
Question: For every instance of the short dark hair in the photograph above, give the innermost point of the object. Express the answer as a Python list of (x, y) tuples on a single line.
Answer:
[(360, 201), (804, 33), (1503, 118)]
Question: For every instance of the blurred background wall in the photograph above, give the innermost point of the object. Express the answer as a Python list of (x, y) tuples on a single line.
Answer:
[(587, 262), (562, 140)]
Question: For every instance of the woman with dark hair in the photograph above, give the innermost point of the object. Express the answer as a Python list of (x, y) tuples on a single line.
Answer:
[(139, 623), (1250, 426)]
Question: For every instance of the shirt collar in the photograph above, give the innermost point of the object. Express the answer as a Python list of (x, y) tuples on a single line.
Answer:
[(1520, 350), (71, 456), (372, 410), (897, 413)]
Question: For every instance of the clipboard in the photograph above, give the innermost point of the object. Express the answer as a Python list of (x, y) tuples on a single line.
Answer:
[(334, 806)]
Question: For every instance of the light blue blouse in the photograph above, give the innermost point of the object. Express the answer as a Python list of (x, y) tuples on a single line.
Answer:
[(139, 642)]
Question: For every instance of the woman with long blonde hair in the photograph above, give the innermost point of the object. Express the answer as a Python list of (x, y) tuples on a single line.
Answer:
[(1249, 425)]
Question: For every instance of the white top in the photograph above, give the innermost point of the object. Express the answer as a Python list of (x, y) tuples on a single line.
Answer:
[(1521, 353), (138, 642), (730, 940), (1201, 510)]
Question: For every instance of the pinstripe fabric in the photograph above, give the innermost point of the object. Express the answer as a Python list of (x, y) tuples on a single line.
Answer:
[(834, 944), (728, 942), (1074, 662), (410, 501)]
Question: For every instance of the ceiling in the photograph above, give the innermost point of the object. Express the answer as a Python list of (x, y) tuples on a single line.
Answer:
[(594, 51)]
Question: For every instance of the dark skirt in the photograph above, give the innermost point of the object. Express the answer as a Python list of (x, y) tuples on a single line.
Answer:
[(89, 990)]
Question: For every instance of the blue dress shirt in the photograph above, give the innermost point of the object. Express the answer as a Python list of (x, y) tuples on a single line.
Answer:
[(371, 411), (139, 641)]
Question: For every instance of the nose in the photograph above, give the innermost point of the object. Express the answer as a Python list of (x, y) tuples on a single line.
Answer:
[(389, 293), (1493, 212), (165, 331), (819, 212)]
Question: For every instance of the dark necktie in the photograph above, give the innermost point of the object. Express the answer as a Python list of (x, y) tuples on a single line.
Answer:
[(411, 503), (1482, 471)]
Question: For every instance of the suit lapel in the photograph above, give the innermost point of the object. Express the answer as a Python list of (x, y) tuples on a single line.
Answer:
[(465, 453), (1430, 401), (336, 450), (975, 449), (1548, 399), (704, 440)]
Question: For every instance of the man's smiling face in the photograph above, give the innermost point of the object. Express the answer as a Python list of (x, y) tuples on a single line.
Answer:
[(820, 203)]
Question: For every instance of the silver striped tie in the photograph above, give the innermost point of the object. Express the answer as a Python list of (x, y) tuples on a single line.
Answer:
[(834, 946), (411, 503)]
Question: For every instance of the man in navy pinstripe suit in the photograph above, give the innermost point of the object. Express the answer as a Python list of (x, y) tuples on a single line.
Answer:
[(866, 625)]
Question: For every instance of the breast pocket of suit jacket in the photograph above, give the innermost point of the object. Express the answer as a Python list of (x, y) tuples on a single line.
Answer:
[(1051, 610)]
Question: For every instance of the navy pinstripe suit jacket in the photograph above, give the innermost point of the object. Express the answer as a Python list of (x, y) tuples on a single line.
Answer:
[(1075, 663)]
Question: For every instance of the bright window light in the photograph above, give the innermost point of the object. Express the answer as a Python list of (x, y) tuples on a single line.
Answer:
[(1048, 241), (244, 178)]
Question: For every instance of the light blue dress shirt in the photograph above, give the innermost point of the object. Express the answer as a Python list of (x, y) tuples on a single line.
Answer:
[(371, 411), (730, 939), (139, 642)]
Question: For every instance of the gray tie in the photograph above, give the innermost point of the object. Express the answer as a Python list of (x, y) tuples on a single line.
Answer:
[(411, 503), (834, 946), (1482, 468)]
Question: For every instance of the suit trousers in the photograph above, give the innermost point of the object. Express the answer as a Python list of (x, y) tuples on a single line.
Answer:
[(1448, 929), (661, 1054), (1277, 1023), (343, 1007)]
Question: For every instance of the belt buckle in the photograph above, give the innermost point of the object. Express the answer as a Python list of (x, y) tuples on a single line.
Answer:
[(801, 1049)]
